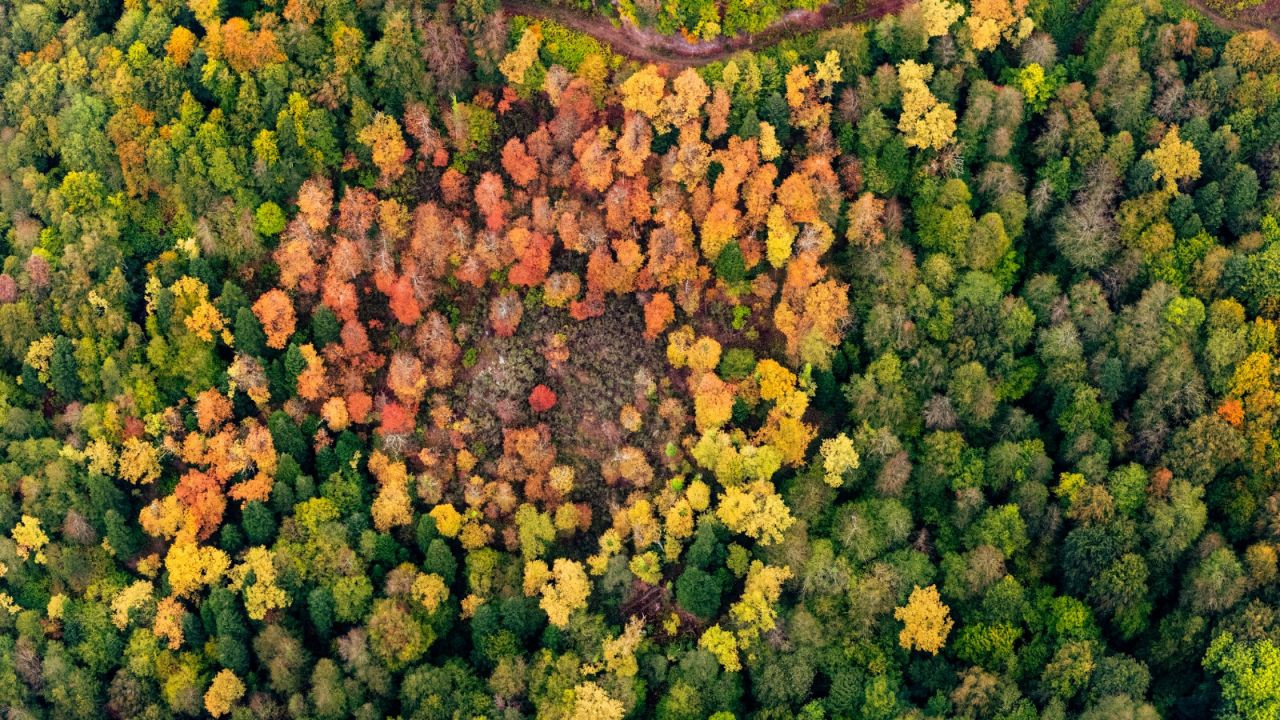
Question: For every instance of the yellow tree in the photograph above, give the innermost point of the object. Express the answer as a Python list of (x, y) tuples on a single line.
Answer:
[(1174, 159), (192, 567), (448, 519), (430, 590), (643, 91), (939, 16), (780, 238), (620, 652), (591, 702), (391, 508), (926, 122), (518, 61), (991, 20), (139, 462), (723, 645), (136, 595), (567, 592), (256, 578), (30, 538), (383, 138), (838, 458), (926, 621), (225, 690), (756, 612), (755, 510)]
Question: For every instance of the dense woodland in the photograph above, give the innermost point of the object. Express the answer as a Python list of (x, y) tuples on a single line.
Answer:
[(382, 359)]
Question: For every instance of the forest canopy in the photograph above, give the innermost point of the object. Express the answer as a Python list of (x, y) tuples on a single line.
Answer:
[(410, 360)]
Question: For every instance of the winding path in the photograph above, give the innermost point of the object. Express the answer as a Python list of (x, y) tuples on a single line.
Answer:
[(1264, 17), (648, 45)]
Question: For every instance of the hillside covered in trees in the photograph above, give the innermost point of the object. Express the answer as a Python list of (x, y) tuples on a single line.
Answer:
[(386, 359)]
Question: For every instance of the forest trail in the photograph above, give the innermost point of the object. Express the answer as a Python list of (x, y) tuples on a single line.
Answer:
[(648, 45), (651, 46), (1264, 17)]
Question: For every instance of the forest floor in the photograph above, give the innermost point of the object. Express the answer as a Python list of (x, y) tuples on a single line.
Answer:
[(649, 45)]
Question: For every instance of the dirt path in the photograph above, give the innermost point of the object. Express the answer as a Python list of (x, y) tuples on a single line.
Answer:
[(1263, 17), (651, 46)]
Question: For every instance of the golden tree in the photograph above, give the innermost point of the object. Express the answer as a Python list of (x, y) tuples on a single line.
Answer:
[(1174, 159), (926, 621), (225, 690), (926, 122)]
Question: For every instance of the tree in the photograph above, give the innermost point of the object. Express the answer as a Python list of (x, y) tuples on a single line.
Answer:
[(991, 20), (542, 399), (926, 621), (566, 592), (1250, 676), (925, 122), (521, 167), (838, 458), (723, 645), (505, 312), (274, 311), (1174, 159), (659, 312), (225, 690), (383, 138), (755, 510), (591, 702), (938, 16), (699, 592)]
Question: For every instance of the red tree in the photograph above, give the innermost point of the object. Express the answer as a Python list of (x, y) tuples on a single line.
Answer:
[(403, 303), (542, 398)]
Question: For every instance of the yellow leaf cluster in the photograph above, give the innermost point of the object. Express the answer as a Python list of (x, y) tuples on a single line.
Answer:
[(755, 612), (567, 592), (139, 462), (1174, 159), (429, 591), (780, 237), (386, 142), (30, 538), (204, 321), (518, 61), (135, 596), (448, 520), (262, 595), (939, 16), (223, 692), (926, 122), (191, 567), (704, 355), (775, 380), (643, 92), (620, 652), (57, 607), (591, 702), (755, 510), (770, 148), (926, 621), (991, 20), (392, 506), (723, 645), (838, 458)]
